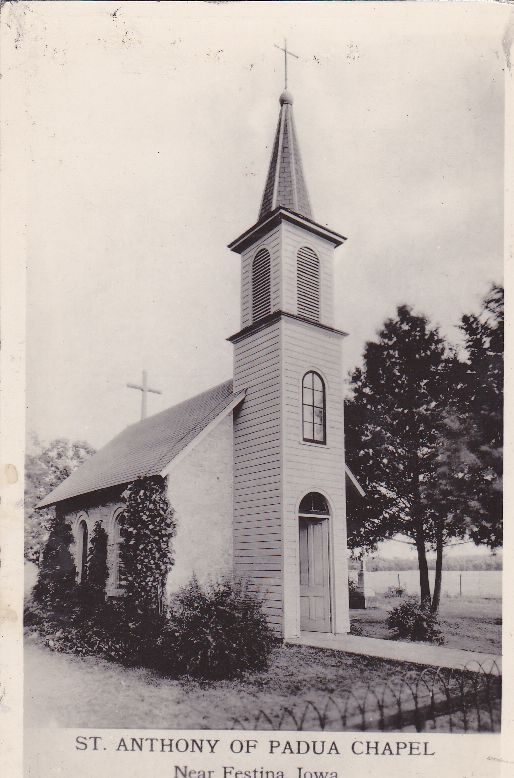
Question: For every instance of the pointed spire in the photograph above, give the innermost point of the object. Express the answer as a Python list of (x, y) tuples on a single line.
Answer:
[(285, 184)]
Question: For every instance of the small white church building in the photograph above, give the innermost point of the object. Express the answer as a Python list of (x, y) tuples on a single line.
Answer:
[(255, 467)]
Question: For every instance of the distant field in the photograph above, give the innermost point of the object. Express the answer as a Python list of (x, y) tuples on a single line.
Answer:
[(474, 583), (468, 583)]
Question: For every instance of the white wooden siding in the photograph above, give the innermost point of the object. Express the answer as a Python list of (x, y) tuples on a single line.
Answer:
[(310, 466), (257, 468), (273, 467)]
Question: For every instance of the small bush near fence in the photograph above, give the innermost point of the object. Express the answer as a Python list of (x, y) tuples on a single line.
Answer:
[(413, 621)]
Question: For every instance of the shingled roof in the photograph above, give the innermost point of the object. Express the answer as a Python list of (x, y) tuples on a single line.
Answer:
[(285, 184), (147, 447)]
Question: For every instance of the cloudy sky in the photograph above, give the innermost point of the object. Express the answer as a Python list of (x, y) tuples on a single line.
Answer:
[(150, 127)]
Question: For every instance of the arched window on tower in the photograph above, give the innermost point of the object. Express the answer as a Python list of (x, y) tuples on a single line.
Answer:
[(261, 284), (307, 283), (313, 408), (83, 549)]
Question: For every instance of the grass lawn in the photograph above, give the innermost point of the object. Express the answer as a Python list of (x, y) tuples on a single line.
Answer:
[(472, 623), (65, 690)]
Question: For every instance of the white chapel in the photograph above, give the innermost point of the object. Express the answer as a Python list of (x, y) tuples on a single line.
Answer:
[(255, 467)]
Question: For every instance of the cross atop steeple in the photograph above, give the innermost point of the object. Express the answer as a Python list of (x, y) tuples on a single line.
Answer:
[(287, 54)]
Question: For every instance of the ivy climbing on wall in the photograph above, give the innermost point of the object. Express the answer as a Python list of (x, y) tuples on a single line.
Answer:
[(147, 527)]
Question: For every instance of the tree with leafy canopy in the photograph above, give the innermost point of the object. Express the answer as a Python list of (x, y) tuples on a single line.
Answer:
[(57, 572), (46, 466), (482, 399), (400, 442)]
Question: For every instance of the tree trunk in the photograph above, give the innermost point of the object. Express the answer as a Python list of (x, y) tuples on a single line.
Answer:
[(424, 581), (436, 599)]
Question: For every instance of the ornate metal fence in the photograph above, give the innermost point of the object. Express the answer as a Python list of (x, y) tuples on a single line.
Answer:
[(434, 699)]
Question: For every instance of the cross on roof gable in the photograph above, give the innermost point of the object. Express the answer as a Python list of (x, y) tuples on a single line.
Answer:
[(147, 447)]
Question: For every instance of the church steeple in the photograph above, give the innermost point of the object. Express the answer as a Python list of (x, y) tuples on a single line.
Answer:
[(287, 257), (285, 184), (288, 435)]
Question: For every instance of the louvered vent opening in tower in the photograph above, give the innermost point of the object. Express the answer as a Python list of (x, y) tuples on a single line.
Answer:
[(307, 283), (261, 285)]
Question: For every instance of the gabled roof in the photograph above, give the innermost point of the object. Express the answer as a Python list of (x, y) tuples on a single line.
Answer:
[(147, 447), (285, 184)]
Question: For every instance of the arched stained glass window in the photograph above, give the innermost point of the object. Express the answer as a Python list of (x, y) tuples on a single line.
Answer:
[(313, 408), (83, 538), (118, 567), (307, 283), (261, 284)]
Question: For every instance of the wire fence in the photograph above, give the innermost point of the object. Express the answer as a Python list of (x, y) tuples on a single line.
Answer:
[(432, 700), (456, 583)]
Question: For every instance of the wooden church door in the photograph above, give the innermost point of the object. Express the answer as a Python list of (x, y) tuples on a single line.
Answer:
[(314, 575)]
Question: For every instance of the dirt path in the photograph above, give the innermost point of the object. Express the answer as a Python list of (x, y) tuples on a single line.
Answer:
[(63, 690)]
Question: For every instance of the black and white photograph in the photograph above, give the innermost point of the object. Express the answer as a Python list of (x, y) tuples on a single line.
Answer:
[(263, 365)]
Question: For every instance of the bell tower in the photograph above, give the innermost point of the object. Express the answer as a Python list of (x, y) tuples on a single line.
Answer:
[(289, 464)]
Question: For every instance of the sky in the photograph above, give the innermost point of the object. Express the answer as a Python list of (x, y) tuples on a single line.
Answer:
[(149, 135)]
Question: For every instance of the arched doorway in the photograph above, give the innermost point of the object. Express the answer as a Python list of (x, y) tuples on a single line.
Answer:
[(314, 518)]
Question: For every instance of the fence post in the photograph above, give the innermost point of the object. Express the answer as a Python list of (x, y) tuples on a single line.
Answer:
[(399, 580), (460, 584)]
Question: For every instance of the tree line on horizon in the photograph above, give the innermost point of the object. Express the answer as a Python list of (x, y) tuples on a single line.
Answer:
[(460, 563)]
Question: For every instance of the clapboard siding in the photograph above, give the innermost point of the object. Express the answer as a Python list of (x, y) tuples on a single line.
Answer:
[(245, 346), (271, 521), (257, 485), (255, 490), (265, 405), (312, 467), (267, 555), (268, 541), (273, 467), (270, 524), (257, 462), (254, 449), (258, 471), (259, 504), (267, 425), (258, 474)]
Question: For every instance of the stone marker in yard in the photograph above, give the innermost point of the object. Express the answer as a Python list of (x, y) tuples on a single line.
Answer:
[(364, 595)]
